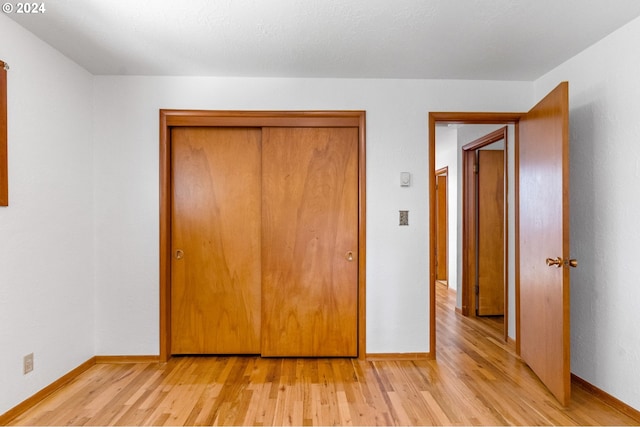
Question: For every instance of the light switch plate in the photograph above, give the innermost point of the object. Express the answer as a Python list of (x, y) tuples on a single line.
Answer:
[(27, 363), (405, 179)]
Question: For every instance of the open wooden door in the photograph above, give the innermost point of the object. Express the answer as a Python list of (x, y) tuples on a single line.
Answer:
[(490, 229), (544, 241)]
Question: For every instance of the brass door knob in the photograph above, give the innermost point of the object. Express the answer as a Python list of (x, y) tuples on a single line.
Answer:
[(557, 262)]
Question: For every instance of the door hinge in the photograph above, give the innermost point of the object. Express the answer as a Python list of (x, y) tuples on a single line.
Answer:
[(477, 289), (476, 168)]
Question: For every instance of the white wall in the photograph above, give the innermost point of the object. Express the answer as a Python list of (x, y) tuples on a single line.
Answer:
[(604, 99), (447, 156), (126, 179), (46, 234)]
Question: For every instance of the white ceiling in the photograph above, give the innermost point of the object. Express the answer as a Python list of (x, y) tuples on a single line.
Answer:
[(451, 39)]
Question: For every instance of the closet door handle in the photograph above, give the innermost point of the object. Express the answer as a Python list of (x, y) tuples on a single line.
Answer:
[(349, 256), (179, 254)]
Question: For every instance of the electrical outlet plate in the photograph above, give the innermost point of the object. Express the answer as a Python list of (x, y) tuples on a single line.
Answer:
[(404, 217), (28, 363)]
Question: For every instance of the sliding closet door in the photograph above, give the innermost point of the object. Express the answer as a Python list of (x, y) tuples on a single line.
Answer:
[(215, 238), (309, 241)]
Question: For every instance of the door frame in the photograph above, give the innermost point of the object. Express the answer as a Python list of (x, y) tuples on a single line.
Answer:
[(470, 222), (444, 172), (465, 118), (222, 118)]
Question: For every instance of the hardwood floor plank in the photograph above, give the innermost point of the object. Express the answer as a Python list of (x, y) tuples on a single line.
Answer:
[(477, 379), (437, 412)]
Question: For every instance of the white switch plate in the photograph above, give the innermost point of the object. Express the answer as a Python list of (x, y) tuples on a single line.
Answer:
[(27, 363), (405, 179)]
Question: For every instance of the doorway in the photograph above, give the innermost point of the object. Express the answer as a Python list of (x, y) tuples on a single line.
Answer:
[(485, 243), (478, 229), (541, 230), (490, 122)]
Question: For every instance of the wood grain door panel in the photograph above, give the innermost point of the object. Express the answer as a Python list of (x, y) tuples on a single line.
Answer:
[(216, 224), (310, 225), (441, 227), (491, 232), (544, 233)]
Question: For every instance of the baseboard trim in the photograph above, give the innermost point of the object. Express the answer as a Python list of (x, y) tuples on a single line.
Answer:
[(127, 359), (606, 397), (39, 396), (372, 357)]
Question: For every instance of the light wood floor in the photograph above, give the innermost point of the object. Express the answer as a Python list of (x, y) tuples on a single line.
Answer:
[(476, 380)]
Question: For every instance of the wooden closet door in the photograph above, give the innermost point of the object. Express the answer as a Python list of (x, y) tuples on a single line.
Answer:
[(310, 241), (215, 229)]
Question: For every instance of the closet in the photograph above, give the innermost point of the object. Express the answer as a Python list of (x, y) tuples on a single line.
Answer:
[(262, 244)]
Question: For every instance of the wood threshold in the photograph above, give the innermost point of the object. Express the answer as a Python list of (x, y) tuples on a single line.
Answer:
[(42, 394), (372, 357), (606, 397)]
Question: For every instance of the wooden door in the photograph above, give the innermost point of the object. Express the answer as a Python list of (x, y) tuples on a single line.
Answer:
[(310, 241), (490, 240), (544, 233), (441, 227), (215, 238)]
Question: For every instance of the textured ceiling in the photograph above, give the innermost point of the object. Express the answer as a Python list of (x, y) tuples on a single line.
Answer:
[(450, 39)]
